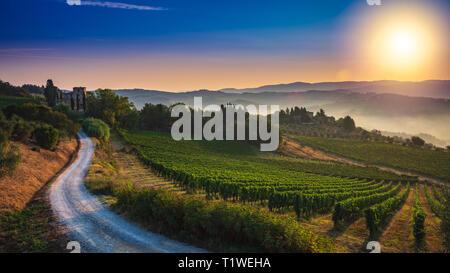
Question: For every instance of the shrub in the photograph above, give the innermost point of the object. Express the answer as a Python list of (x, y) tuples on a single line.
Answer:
[(218, 223), (65, 109), (9, 159), (100, 186), (21, 129), (417, 141), (41, 113), (9, 155), (46, 136), (96, 128), (5, 129)]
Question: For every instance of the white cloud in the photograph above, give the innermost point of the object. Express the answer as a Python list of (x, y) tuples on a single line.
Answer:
[(74, 2), (111, 5)]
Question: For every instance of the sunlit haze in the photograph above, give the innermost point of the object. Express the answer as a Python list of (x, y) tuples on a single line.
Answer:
[(209, 45)]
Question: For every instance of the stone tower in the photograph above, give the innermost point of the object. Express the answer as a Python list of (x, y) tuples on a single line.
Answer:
[(79, 98)]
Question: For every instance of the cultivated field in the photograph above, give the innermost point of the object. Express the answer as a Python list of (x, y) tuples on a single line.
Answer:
[(352, 204), (428, 162)]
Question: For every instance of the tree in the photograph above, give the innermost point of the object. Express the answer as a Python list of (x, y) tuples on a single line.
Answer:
[(67, 110), (155, 117), (348, 123), (130, 120), (106, 105), (51, 93), (321, 113), (35, 89), (10, 90), (42, 114), (417, 141)]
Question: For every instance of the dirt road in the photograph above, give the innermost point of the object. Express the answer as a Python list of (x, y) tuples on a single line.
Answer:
[(92, 224), (294, 148)]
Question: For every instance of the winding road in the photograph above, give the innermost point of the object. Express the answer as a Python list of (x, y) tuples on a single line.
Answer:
[(91, 223)]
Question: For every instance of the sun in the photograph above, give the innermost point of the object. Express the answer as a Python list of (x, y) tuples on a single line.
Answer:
[(398, 42), (403, 46), (403, 43)]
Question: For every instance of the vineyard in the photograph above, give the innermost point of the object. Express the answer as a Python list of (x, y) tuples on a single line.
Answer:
[(238, 172), (418, 219), (232, 170), (429, 162)]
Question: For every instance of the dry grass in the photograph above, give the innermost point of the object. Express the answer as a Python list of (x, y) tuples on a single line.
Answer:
[(294, 149), (433, 234), (27, 223), (398, 236), (351, 238), (121, 166), (35, 169)]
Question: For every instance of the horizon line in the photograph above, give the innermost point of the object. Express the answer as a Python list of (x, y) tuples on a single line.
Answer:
[(270, 84)]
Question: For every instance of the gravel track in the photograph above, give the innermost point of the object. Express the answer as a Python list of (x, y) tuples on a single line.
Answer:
[(91, 223)]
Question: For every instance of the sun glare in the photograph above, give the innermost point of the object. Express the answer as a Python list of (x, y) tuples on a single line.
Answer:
[(403, 46), (402, 42)]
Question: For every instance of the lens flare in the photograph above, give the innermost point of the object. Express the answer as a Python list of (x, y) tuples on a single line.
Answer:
[(401, 42), (404, 47)]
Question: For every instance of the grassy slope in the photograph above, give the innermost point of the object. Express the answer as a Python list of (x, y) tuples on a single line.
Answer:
[(27, 223), (33, 172), (32, 229), (433, 163), (7, 100)]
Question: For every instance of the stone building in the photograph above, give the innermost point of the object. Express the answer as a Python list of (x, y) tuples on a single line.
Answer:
[(75, 99)]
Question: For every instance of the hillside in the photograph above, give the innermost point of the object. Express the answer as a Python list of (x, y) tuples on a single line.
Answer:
[(385, 112), (33, 172), (431, 88), (434, 163)]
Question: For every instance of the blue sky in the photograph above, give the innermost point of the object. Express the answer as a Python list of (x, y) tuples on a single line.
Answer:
[(54, 20), (51, 31)]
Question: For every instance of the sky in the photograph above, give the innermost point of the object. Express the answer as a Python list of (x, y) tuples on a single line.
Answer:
[(178, 45)]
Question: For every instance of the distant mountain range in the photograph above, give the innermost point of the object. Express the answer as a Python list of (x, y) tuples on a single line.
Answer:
[(381, 105), (347, 102), (430, 88)]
